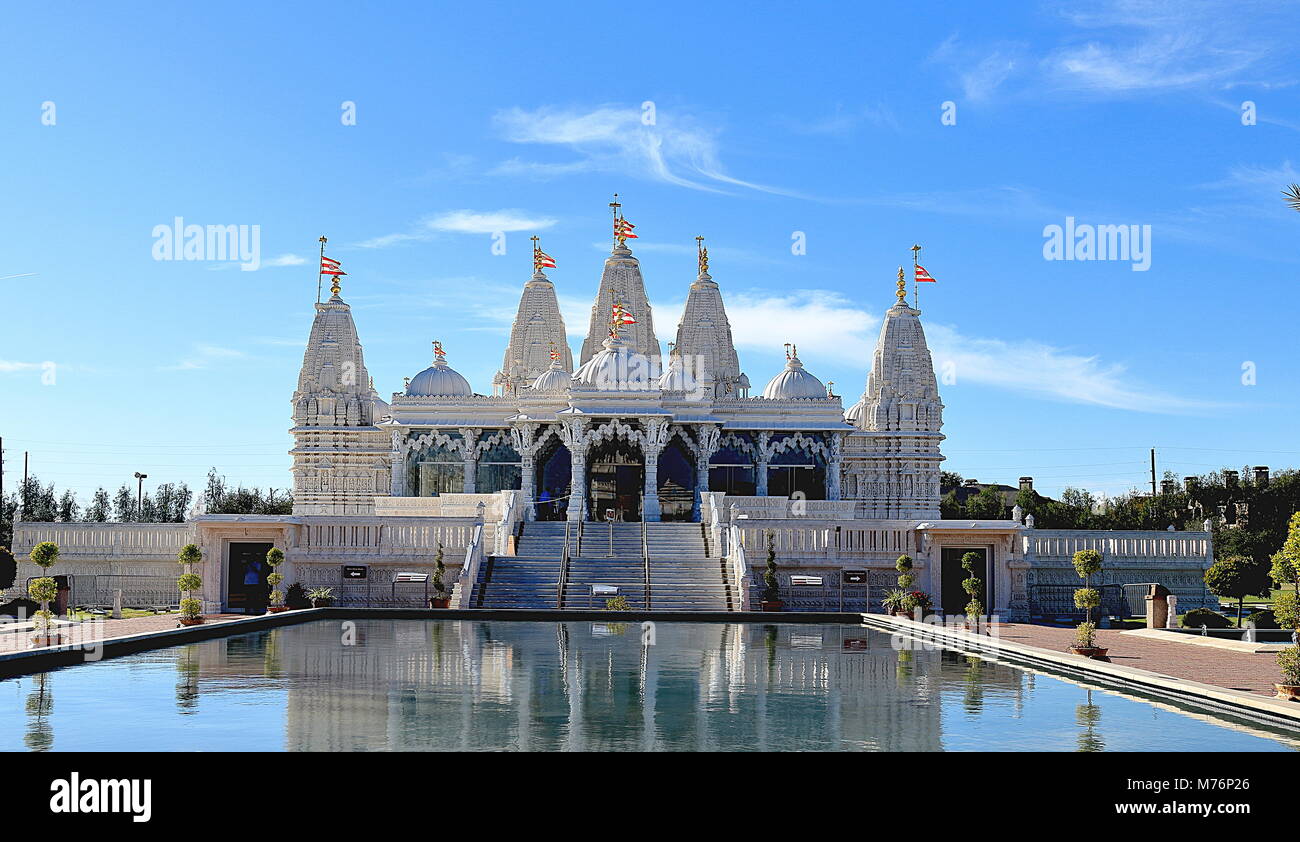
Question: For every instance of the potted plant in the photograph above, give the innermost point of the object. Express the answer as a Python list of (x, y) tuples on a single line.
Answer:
[(321, 597), (43, 590), (188, 583), (617, 603), (895, 602), (275, 557), (918, 601), (1087, 563), (905, 581), (771, 585), (443, 599), (972, 585)]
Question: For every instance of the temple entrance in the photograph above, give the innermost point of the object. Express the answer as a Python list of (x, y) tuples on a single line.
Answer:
[(677, 477), (551, 484), (246, 572), (615, 480), (953, 574)]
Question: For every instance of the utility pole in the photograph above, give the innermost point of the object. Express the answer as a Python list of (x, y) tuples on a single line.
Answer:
[(1155, 522), (23, 496)]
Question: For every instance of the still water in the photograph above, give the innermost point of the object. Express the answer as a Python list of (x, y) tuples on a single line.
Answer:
[(367, 685)]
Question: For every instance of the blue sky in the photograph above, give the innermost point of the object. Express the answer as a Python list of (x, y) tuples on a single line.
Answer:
[(821, 119)]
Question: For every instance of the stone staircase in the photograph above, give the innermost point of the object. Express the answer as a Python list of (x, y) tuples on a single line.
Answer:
[(528, 579), (623, 568), (683, 576)]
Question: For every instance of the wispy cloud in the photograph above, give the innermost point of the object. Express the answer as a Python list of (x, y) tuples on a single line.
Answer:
[(12, 366), (844, 121), (286, 260), (674, 147), (489, 222), (462, 222), (828, 326), (204, 356)]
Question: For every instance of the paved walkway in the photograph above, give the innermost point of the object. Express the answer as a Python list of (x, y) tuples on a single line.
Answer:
[(12, 640), (1252, 672)]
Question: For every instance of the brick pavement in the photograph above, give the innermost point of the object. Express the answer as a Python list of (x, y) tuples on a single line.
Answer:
[(11, 641)]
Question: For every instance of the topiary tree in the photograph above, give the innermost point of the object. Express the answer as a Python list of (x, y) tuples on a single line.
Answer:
[(275, 557), (1087, 563), (44, 589), (905, 576), (1237, 577), (973, 586), (189, 581), (439, 571), (771, 585)]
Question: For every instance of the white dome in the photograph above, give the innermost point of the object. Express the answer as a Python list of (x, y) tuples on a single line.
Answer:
[(794, 383), (617, 368), (439, 381), (674, 379), (853, 415), (554, 380)]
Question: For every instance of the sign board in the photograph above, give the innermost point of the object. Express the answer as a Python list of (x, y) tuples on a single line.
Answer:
[(355, 571), (853, 577), (418, 578), (855, 644), (806, 581), (604, 590)]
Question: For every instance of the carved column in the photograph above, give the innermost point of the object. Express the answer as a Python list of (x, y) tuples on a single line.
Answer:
[(654, 439), (834, 465), (761, 455), (573, 433), (706, 441), (401, 448), (469, 457), (524, 438)]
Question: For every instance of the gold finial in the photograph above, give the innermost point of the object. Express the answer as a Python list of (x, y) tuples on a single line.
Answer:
[(787, 350), (335, 289), (902, 288), (704, 255)]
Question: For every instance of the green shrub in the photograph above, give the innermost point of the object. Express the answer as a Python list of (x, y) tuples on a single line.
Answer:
[(189, 582), (1263, 620), (275, 556), (189, 554), (1087, 563), (1289, 661), (277, 597), (617, 603), (43, 589), (439, 573), (894, 600), (44, 554), (1088, 598), (1085, 636), (1286, 608), (191, 608), (1198, 617), (905, 576), (8, 568), (771, 585), (275, 580)]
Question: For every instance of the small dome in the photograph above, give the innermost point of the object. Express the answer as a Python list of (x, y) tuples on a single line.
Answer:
[(439, 380), (555, 380), (794, 383), (674, 378), (617, 368), (853, 415)]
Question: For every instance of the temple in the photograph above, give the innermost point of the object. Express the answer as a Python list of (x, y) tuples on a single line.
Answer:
[(660, 476)]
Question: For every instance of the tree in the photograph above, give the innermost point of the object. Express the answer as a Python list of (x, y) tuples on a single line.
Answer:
[(1238, 577), (189, 581), (44, 588), (987, 505), (124, 508), (1285, 567), (1087, 563), (100, 507), (973, 586), (68, 507), (8, 568)]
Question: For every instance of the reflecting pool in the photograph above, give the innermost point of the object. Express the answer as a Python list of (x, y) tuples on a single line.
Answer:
[(335, 685)]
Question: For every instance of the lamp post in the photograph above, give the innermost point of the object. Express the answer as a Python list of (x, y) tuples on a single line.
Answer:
[(139, 494)]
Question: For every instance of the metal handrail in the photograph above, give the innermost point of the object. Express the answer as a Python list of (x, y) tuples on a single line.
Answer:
[(564, 567), (645, 557)]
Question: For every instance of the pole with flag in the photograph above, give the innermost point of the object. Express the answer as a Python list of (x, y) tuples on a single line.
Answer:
[(919, 276), (319, 276), (329, 266), (622, 228), (541, 260)]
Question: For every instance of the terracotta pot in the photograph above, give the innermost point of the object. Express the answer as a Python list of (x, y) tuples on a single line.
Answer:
[(322, 603), (1290, 692), (439, 601), (47, 639), (1089, 651), (191, 621), (907, 614), (773, 605), (276, 609)]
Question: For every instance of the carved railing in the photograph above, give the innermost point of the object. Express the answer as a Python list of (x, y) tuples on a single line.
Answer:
[(393, 536), (469, 570), (160, 541), (1117, 546)]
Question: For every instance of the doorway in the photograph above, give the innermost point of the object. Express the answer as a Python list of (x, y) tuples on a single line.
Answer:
[(616, 479), (246, 588), (953, 574)]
